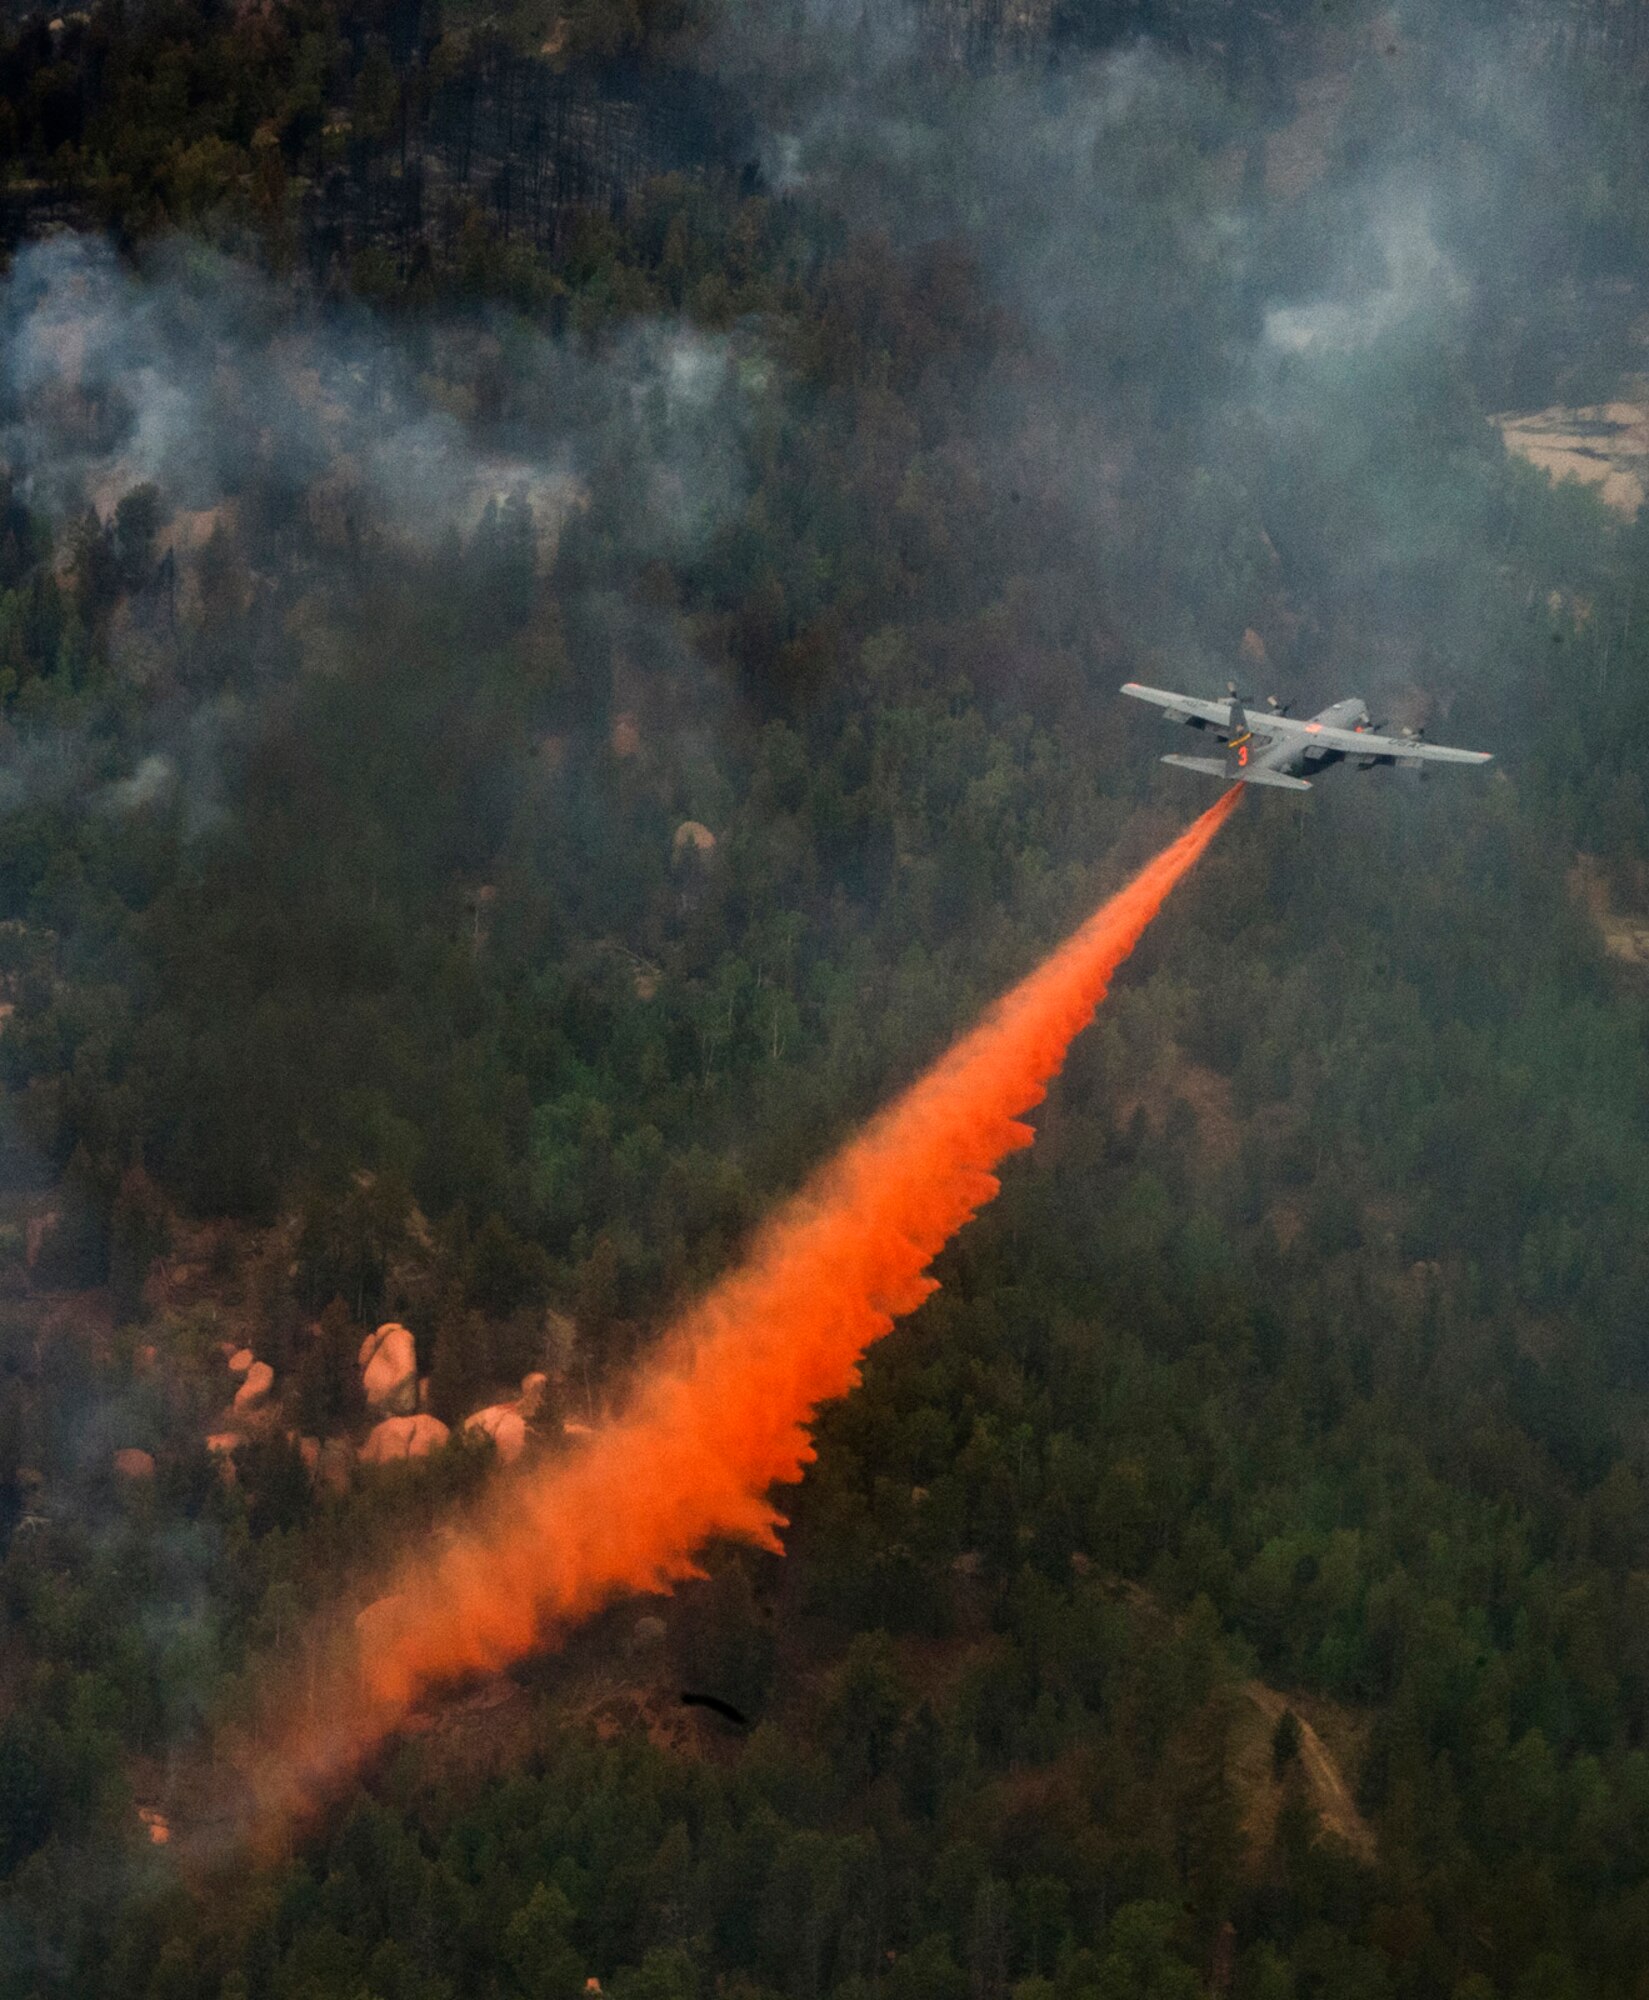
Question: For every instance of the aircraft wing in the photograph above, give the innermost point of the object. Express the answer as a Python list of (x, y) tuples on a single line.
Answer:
[(1186, 707), (1363, 742)]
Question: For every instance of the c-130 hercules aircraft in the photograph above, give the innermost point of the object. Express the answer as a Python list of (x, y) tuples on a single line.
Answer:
[(1272, 747)]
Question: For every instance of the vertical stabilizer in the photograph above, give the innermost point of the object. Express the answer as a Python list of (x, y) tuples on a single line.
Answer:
[(1239, 748)]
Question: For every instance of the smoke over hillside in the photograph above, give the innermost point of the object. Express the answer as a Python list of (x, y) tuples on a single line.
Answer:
[(198, 375), (1246, 331), (497, 783)]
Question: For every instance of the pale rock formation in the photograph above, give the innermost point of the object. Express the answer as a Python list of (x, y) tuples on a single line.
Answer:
[(260, 1379), (397, 1438), (503, 1423), (692, 836), (647, 1634), (389, 1370)]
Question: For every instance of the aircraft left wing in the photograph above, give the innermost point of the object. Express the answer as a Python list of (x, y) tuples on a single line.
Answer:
[(1186, 707), (1364, 742)]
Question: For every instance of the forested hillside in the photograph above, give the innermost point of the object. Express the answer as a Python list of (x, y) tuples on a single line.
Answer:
[(563, 578)]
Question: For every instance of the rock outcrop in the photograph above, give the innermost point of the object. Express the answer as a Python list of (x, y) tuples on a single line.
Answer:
[(389, 1370), (692, 837), (398, 1438), (505, 1425), (260, 1379), (648, 1633)]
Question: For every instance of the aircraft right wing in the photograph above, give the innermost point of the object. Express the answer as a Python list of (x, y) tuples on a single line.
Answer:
[(1415, 749), (1365, 742), (1184, 707)]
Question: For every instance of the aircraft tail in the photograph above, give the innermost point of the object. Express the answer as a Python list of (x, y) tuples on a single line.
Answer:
[(1239, 747), (1215, 767), (1281, 779)]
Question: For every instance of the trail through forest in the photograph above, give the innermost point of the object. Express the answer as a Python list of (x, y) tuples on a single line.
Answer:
[(1330, 1795), (721, 1414)]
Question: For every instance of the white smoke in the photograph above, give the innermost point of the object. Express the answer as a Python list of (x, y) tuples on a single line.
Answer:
[(194, 376), (1395, 274)]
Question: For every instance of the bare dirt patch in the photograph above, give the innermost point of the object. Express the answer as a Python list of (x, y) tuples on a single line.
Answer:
[(1323, 1768), (1625, 933), (1605, 445)]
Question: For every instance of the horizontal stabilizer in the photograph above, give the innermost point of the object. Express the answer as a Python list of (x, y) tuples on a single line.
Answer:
[(1214, 767), (1279, 778)]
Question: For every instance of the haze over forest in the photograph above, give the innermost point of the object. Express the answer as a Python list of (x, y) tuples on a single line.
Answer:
[(564, 572)]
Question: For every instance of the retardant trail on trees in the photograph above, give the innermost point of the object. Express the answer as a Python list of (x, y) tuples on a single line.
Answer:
[(720, 1415)]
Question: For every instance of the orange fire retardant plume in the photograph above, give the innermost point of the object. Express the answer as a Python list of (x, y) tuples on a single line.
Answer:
[(720, 1415)]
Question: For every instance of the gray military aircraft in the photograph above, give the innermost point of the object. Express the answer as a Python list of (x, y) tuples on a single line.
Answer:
[(1271, 747)]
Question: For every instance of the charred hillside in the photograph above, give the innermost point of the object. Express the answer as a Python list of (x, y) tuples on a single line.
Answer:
[(438, 148), (342, 141)]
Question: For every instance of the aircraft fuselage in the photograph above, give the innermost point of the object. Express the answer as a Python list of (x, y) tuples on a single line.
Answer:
[(1298, 759)]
